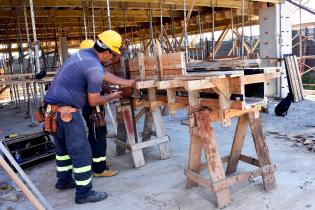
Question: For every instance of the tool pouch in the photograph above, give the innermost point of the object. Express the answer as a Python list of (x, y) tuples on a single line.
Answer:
[(97, 116), (66, 115), (51, 119), (40, 113)]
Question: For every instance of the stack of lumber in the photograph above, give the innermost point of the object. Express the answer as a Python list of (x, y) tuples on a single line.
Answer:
[(150, 66), (173, 64), (147, 67), (222, 64), (294, 77)]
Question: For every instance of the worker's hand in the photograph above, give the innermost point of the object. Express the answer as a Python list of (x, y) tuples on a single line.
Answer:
[(116, 94), (131, 83)]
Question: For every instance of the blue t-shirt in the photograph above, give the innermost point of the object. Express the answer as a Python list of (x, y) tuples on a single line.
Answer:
[(81, 74)]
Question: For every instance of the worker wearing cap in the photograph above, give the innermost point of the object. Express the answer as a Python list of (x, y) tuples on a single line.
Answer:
[(78, 83), (97, 132)]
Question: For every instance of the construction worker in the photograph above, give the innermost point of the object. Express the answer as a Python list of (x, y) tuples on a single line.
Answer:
[(97, 132), (78, 83)]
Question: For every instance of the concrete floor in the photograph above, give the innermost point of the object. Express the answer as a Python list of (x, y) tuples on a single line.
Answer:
[(160, 184)]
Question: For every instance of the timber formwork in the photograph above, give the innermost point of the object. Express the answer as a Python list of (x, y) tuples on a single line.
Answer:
[(216, 96)]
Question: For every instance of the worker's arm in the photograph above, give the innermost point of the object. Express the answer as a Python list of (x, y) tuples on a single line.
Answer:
[(111, 78), (95, 99)]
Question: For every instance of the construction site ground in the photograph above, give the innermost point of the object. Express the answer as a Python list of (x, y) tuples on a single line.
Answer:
[(160, 184)]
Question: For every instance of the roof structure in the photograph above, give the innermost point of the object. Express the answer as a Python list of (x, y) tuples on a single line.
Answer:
[(129, 17)]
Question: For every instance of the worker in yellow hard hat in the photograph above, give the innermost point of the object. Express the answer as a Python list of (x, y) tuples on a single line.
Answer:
[(79, 84), (88, 43), (97, 131)]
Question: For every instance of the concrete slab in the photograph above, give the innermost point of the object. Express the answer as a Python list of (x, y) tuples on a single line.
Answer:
[(160, 184)]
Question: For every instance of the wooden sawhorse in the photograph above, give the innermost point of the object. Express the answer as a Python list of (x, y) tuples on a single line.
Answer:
[(202, 137), (127, 137)]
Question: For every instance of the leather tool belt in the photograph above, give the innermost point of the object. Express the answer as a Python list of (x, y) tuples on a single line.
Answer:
[(48, 114)]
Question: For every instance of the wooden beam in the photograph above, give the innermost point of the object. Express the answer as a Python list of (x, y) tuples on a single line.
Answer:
[(191, 6), (100, 3), (220, 41)]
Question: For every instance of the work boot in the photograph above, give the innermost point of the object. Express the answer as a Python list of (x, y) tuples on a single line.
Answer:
[(64, 186), (106, 173), (91, 198)]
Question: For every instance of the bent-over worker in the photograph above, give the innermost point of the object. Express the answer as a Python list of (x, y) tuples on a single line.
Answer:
[(78, 83)]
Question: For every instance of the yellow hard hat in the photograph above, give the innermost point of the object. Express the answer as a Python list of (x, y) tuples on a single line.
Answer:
[(112, 40), (88, 43)]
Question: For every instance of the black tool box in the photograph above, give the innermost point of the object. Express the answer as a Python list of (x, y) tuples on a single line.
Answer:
[(31, 148)]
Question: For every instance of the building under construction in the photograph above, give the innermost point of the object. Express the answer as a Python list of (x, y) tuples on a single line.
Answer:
[(220, 113)]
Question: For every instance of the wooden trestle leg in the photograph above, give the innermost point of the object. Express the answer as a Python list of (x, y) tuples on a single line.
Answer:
[(215, 165), (262, 151), (237, 146), (159, 127)]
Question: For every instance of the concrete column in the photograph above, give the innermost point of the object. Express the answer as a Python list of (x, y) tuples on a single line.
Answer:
[(63, 47), (275, 41)]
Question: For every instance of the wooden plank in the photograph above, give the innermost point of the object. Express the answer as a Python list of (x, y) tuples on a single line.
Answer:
[(195, 149), (293, 73), (229, 113), (127, 117), (215, 165), (220, 40), (214, 103), (248, 176), (223, 90), (175, 106), (150, 63), (141, 65), (224, 159), (196, 178), (191, 6), (198, 84), (134, 74), (123, 144), (217, 64), (289, 67), (261, 150), (260, 78), (29, 195), (171, 98), (158, 124), (147, 126), (4, 88), (137, 155), (237, 146), (236, 85), (155, 104), (150, 73), (145, 84), (296, 73), (249, 160), (173, 59), (193, 98), (15, 76), (150, 143), (168, 84), (26, 81), (168, 72), (121, 132), (173, 64), (133, 65), (299, 79), (141, 113)]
